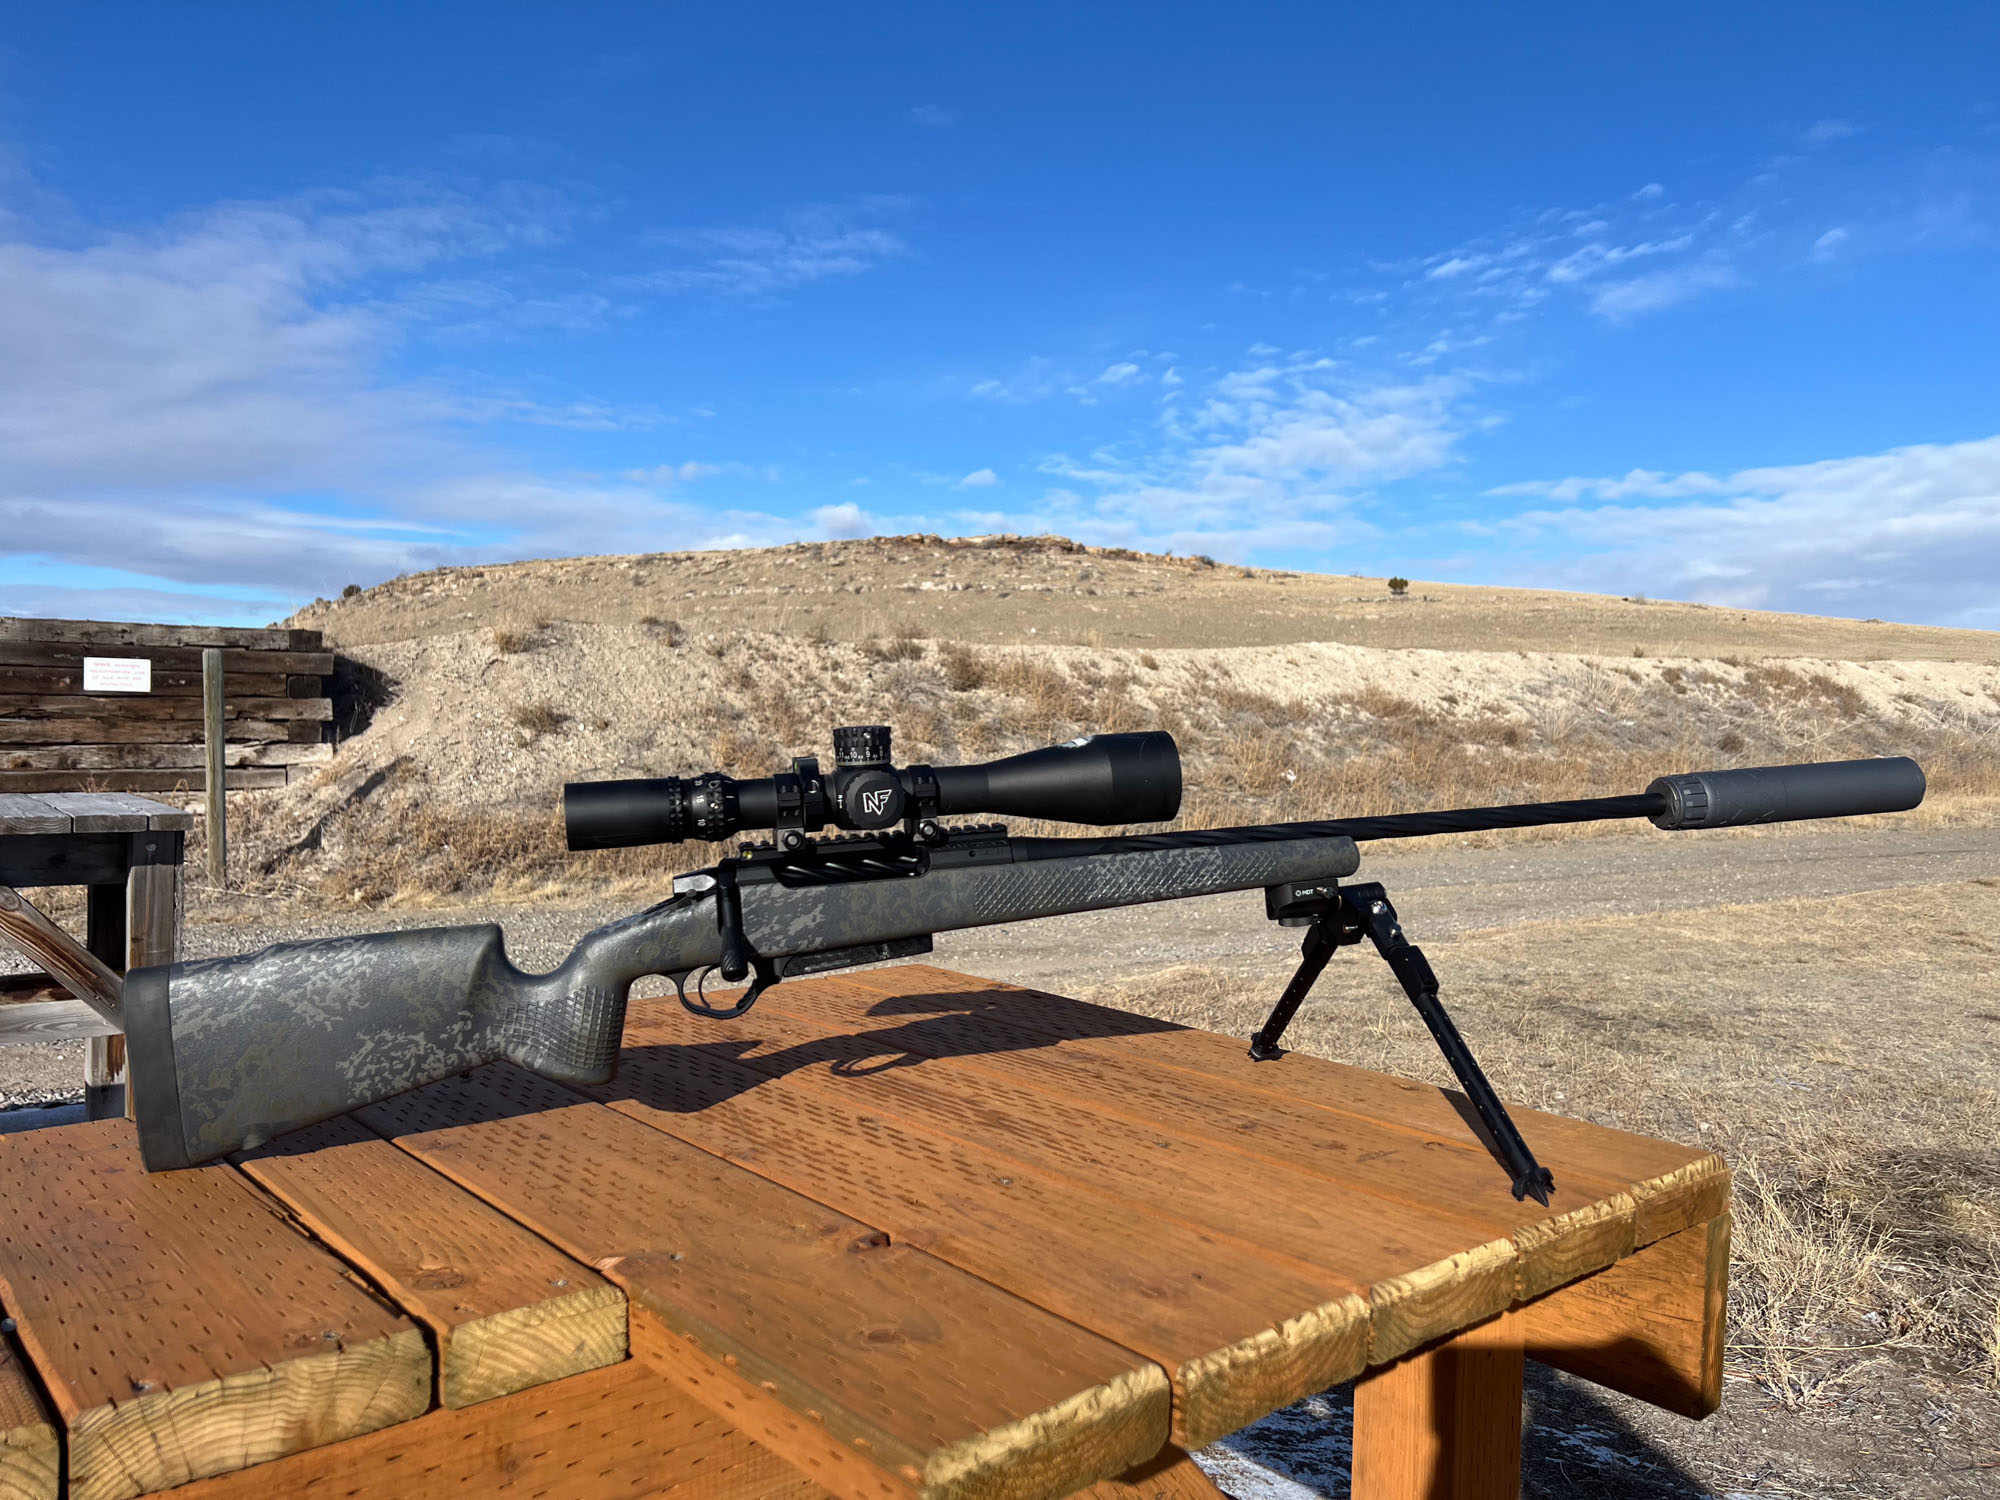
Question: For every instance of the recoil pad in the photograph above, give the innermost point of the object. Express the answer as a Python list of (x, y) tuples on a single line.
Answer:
[(1787, 794)]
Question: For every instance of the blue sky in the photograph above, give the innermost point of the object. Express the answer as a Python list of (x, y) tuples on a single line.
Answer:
[(1690, 302)]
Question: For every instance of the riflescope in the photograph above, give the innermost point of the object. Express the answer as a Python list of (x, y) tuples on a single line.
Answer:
[(1102, 779)]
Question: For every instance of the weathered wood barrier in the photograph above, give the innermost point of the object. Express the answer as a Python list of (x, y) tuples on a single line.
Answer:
[(92, 705)]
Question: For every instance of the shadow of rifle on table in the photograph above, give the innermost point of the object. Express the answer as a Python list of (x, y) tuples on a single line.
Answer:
[(685, 1077)]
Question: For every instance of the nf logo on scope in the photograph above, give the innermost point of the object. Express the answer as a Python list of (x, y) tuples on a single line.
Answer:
[(873, 803)]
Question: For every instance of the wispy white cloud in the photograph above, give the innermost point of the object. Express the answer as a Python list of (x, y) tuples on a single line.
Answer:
[(816, 243), (1913, 533), (167, 396), (979, 479), (1621, 301), (1040, 378), (1826, 132), (1269, 451)]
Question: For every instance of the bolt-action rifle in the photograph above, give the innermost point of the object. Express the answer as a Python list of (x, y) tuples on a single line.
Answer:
[(226, 1053)]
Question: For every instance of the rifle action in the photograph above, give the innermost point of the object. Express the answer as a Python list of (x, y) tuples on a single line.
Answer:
[(227, 1053)]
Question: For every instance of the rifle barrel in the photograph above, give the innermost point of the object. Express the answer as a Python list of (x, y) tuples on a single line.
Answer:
[(1695, 799), (1480, 819)]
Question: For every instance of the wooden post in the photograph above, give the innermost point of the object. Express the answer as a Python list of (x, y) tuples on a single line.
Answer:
[(152, 916), (218, 803), (1443, 1423)]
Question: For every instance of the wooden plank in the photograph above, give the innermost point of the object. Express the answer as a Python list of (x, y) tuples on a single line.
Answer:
[(107, 727), (619, 1433), (875, 1368), (30, 814), (51, 1021), (508, 1311), (296, 686), (161, 817), (153, 757), (1651, 1326), (244, 779), (162, 710), (1443, 1423), (30, 1456), (1372, 1239), (240, 1341), (32, 859), (1673, 1185), (1242, 1330), (127, 633), (174, 684), (83, 973), (168, 658), (1164, 1141), (93, 813), (33, 988)]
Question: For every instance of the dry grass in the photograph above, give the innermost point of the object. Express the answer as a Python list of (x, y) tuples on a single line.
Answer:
[(538, 718), (1251, 750), (511, 640)]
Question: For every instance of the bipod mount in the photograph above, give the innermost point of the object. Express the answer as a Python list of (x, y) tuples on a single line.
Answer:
[(1336, 917)]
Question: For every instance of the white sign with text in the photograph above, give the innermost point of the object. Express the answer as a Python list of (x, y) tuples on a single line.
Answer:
[(117, 674)]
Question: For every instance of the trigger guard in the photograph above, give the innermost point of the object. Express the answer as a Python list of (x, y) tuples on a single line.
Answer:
[(763, 977)]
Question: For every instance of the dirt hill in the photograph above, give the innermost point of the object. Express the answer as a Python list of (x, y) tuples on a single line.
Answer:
[(469, 696), (1045, 590)]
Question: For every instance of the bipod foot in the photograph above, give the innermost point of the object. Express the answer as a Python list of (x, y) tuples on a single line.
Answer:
[(1377, 919)]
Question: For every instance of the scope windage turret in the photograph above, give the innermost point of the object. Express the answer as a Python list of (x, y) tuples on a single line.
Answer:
[(1102, 779)]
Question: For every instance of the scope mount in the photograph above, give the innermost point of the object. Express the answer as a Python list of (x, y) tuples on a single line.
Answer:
[(864, 784)]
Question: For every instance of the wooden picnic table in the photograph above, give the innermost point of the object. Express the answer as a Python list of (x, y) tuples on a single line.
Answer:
[(902, 1233), (127, 851)]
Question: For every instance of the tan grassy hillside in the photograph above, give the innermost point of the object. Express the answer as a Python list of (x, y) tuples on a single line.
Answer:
[(1017, 590), (454, 785)]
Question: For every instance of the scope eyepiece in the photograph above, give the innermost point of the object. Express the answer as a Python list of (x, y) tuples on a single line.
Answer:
[(1100, 779)]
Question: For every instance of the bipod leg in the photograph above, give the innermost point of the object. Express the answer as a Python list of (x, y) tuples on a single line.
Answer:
[(1321, 943), (1370, 904)]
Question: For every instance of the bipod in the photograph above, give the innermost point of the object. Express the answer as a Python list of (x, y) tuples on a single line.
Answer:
[(1337, 916)]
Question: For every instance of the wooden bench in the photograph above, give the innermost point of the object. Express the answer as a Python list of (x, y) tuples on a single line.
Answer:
[(127, 850), (907, 1233)]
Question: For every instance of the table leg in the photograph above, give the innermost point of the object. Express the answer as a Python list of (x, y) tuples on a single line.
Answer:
[(1443, 1423), (104, 1057), (152, 929)]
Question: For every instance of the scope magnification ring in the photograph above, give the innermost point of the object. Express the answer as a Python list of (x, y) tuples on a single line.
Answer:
[(709, 814)]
